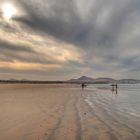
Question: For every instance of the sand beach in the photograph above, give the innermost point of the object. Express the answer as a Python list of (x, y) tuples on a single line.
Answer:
[(61, 112)]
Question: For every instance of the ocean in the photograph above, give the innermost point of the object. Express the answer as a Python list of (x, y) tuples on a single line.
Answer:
[(119, 110)]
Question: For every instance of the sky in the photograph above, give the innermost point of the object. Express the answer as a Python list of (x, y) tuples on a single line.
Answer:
[(64, 39)]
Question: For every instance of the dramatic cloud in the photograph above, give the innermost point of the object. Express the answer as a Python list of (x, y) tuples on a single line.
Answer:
[(61, 39)]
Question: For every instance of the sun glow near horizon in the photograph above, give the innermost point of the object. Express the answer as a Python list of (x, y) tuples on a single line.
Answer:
[(8, 10)]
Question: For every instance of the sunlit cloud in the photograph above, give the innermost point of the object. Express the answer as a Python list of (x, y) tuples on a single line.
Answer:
[(8, 10), (28, 66), (47, 46)]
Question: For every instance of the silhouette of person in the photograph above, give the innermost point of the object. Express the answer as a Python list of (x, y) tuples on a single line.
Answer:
[(113, 89), (83, 85), (116, 88)]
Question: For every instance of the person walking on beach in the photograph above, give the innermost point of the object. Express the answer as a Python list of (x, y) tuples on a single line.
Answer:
[(116, 88), (113, 87), (83, 85)]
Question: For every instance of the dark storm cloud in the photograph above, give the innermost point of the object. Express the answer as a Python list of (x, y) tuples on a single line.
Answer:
[(62, 20), (11, 52), (14, 47), (64, 23)]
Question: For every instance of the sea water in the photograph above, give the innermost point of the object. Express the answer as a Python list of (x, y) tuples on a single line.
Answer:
[(119, 109)]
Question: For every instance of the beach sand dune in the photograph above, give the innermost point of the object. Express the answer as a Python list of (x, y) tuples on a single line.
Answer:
[(52, 112)]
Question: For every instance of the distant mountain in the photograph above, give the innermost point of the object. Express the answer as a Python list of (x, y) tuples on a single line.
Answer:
[(104, 80), (128, 81), (91, 80), (85, 79), (82, 79)]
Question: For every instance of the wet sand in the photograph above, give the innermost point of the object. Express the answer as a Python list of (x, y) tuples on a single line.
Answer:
[(53, 112)]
